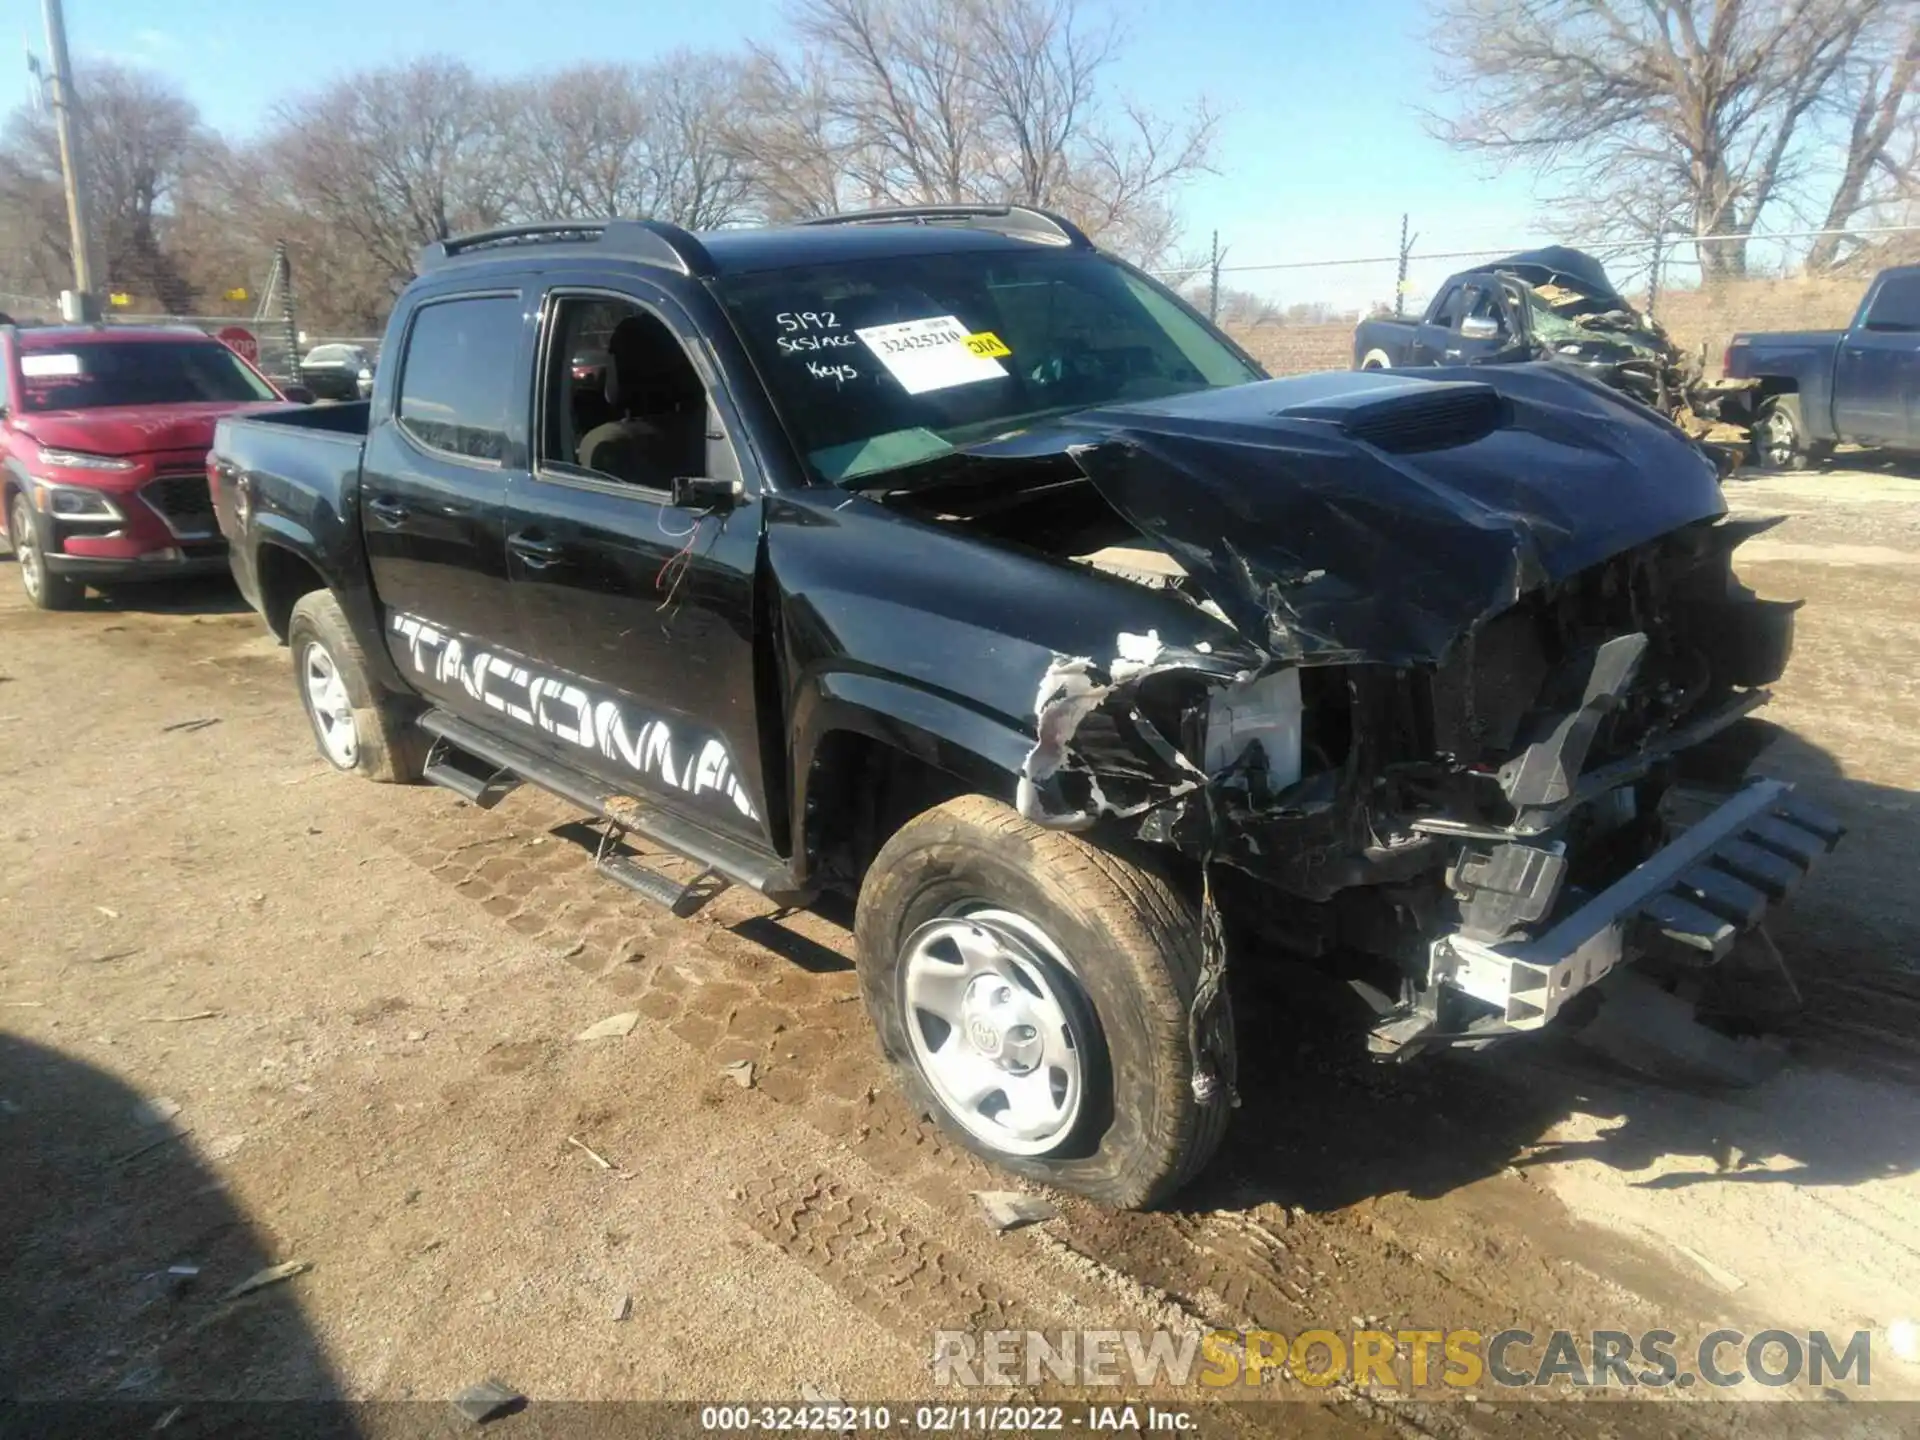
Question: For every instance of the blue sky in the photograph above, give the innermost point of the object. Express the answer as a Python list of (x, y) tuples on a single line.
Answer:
[(1321, 149)]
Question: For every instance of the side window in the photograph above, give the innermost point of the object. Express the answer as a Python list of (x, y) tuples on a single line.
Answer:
[(1897, 304), (1447, 312), (622, 399), (458, 380)]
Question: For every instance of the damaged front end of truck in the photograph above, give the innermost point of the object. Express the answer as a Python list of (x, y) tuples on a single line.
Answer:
[(1482, 636), (1576, 317)]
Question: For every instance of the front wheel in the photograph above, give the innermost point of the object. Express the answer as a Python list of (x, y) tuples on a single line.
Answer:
[(45, 590), (1033, 993), (359, 728)]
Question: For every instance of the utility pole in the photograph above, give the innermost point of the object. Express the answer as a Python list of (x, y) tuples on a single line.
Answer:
[(79, 303)]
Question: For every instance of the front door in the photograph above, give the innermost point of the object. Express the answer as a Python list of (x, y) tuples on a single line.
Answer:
[(446, 438), (1876, 376), (1434, 335), (640, 610)]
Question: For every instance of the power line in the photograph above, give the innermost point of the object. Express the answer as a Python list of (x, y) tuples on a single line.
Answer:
[(1591, 246)]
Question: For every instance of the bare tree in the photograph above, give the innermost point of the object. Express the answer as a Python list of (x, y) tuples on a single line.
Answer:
[(392, 159), (138, 138), (788, 138), (1884, 85), (601, 140), (1708, 100), (967, 101)]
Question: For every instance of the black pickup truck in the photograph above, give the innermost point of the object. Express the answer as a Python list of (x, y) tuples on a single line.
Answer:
[(936, 557), (1812, 389), (1556, 305)]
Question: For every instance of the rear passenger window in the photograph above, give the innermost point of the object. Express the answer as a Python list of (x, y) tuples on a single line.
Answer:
[(1897, 306), (458, 379)]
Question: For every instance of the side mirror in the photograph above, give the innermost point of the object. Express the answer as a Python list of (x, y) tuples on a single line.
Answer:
[(705, 492), (1479, 327), (298, 394)]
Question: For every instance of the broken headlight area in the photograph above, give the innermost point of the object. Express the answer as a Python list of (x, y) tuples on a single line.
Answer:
[(1436, 817)]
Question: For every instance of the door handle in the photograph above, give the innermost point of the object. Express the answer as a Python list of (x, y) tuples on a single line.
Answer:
[(1450, 354), (534, 552), (388, 511)]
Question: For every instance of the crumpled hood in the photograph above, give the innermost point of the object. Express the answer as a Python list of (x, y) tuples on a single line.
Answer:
[(1376, 516)]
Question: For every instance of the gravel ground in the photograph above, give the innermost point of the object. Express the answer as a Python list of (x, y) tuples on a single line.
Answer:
[(252, 1012)]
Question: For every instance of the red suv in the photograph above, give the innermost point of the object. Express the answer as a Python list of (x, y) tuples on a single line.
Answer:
[(105, 433)]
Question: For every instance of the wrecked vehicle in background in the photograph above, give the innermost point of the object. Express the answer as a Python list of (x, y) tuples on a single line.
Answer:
[(1556, 305), (935, 557)]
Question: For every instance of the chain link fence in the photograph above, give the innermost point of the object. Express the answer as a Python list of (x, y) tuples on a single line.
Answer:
[(1298, 315)]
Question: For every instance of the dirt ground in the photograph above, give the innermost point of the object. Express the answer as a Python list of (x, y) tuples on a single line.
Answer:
[(255, 1012)]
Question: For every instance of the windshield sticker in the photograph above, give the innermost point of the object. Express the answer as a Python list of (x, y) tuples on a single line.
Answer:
[(46, 367), (930, 354), (988, 344)]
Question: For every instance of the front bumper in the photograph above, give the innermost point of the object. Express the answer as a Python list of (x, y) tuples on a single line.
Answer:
[(174, 563), (1690, 901)]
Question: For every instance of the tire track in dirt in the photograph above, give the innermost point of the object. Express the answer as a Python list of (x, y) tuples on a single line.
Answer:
[(1253, 1265)]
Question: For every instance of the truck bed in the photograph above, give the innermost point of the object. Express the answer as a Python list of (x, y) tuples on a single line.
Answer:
[(290, 477)]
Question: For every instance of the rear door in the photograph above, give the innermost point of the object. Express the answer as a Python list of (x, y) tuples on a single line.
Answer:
[(448, 434), (639, 611), (1876, 375)]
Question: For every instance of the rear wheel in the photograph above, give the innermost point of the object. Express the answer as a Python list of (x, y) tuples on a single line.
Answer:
[(358, 726), (1033, 993), (1377, 360), (1779, 435), (45, 590)]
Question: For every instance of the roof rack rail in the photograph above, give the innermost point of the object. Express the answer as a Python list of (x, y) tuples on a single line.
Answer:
[(653, 242), (1025, 221)]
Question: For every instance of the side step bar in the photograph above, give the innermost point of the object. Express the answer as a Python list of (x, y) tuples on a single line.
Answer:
[(481, 785), (485, 754)]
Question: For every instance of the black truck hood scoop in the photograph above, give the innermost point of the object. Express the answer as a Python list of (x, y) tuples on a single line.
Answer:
[(1368, 516)]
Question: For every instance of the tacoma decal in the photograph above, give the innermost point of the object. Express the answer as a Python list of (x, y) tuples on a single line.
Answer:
[(567, 711)]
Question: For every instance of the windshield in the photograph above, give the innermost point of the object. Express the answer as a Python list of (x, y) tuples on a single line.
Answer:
[(884, 363), (1553, 327), (136, 372)]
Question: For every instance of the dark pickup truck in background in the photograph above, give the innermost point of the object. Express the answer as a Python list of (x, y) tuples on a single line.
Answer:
[(938, 558), (1813, 389), (1552, 304)]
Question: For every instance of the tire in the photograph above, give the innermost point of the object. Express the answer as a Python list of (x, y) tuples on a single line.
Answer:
[(358, 726), (45, 590), (1113, 944), (1377, 360), (1778, 435)]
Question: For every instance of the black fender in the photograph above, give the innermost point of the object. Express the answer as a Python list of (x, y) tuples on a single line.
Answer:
[(980, 748), (318, 524)]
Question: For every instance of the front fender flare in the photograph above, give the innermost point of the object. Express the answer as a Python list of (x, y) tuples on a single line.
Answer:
[(981, 747)]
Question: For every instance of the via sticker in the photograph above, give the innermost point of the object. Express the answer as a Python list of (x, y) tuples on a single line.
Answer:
[(46, 367), (988, 344), (931, 354)]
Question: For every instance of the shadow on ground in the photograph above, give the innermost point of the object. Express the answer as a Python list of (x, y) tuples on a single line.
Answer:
[(120, 1246), (1323, 1127), (193, 595)]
